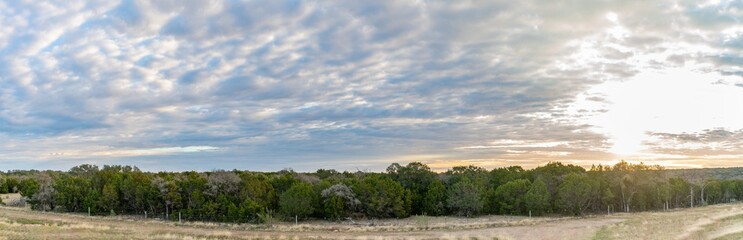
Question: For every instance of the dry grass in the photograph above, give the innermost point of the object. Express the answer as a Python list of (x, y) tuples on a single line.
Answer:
[(12, 199), (21, 223), (720, 221), (709, 222)]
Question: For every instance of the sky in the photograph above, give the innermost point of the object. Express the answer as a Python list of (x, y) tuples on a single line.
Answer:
[(357, 85)]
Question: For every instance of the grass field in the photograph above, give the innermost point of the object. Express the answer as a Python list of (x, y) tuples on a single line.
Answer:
[(719, 221), (724, 221)]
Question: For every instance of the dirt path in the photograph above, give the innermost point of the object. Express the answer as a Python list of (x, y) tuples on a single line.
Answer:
[(707, 222), (697, 228), (569, 229), (563, 229)]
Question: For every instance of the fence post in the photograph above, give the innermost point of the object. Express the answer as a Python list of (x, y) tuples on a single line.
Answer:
[(295, 220), (179, 216), (145, 214)]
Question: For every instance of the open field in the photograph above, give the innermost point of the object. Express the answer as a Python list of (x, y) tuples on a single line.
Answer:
[(724, 221), (719, 221)]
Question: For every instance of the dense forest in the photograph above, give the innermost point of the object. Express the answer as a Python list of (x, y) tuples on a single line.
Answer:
[(401, 191)]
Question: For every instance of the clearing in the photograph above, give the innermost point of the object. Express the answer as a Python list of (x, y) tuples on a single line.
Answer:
[(711, 222)]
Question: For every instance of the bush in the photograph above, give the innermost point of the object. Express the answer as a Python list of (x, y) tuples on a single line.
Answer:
[(465, 198), (297, 201)]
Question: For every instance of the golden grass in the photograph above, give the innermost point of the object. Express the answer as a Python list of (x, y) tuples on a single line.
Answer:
[(708, 222), (719, 221), (21, 223)]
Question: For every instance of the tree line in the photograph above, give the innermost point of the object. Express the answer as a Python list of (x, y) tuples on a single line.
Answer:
[(399, 192)]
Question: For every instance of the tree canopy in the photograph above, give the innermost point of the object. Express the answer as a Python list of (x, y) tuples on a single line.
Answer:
[(400, 191)]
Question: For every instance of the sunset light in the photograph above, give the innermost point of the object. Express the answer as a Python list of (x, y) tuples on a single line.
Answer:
[(269, 85)]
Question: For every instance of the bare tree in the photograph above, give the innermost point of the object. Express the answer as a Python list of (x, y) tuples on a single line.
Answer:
[(168, 192), (222, 182), (45, 196)]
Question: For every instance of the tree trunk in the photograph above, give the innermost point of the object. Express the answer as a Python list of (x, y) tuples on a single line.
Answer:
[(703, 201), (691, 191)]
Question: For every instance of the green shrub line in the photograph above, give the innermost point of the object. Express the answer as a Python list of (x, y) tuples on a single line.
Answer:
[(399, 192)]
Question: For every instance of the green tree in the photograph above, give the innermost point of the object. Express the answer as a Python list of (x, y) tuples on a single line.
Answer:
[(12, 184), (382, 197), (3, 185), (476, 175), (109, 197), (435, 199), (500, 176), (415, 177), (554, 173), (71, 192), (712, 192), (464, 198), (283, 180), (679, 192), (509, 197), (136, 192), (28, 187), (169, 194), (576, 193), (257, 188), (338, 201), (537, 199), (334, 207), (191, 187), (607, 197), (297, 201)]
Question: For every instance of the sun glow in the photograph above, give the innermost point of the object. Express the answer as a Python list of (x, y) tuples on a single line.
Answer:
[(688, 102)]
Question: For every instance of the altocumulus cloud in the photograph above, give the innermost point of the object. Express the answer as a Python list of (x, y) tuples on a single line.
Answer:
[(266, 85)]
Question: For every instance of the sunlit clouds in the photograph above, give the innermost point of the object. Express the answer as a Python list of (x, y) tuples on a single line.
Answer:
[(267, 85)]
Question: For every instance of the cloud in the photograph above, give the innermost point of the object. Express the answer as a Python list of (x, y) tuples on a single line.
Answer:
[(328, 83), (709, 142)]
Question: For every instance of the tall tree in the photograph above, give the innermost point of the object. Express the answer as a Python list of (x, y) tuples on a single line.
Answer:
[(464, 198), (168, 190), (415, 177), (381, 197), (110, 197), (577, 193), (435, 199), (298, 201), (537, 199), (71, 192), (339, 200), (509, 197)]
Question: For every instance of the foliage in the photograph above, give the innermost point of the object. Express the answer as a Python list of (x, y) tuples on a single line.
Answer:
[(415, 177), (298, 201), (435, 199), (401, 191), (381, 197), (500, 176), (509, 197), (577, 193), (537, 199), (338, 201), (553, 174), (464, 198)]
